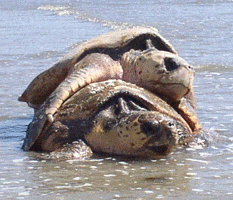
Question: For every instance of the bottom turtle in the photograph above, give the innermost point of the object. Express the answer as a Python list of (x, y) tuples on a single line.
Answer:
[(112, 117)]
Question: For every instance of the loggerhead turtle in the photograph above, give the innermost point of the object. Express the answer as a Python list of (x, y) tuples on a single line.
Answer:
[(113, 44), (113, 117), (138, 55)]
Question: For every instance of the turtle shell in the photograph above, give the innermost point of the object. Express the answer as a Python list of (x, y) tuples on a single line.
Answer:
[(112, 117), (114, 44)]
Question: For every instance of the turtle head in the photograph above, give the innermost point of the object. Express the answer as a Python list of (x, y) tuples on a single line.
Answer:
[(161, 72), (164, 73), (129, 128)]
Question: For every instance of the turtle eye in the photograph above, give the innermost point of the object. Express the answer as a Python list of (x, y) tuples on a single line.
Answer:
[(170, 64)]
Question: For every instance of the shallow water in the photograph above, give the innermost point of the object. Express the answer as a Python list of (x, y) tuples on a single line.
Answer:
[(35, 34)]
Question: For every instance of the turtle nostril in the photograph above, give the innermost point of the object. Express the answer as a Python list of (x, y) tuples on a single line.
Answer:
[(170, 64), (151, 128), (190, 67)]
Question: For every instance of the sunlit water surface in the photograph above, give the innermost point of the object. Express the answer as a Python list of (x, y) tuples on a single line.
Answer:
[(35, 34)]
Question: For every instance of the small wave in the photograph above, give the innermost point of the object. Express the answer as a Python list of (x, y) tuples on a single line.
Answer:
[(66, 10), (214, 68), (208, 138), (59, 10), (112, 25), (76, 150), (44, 55)]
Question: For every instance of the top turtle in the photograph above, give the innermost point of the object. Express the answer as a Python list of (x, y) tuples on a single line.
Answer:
[(138, 55), (114, 44)]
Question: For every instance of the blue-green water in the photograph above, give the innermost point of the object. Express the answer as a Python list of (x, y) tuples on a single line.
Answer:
[(35, 34)]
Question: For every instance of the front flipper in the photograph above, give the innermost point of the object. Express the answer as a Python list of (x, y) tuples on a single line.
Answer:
[(34, 129), (93, 68), (186, 109)]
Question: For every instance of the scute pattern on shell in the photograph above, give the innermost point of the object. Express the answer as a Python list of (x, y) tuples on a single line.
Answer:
[(108, 50), (113, 43), (81, 117)]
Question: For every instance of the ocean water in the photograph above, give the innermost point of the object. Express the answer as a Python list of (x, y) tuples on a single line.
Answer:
[(36, 34)]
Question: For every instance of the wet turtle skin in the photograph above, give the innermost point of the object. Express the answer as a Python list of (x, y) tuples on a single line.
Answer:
[(113, 117), (154, 63)]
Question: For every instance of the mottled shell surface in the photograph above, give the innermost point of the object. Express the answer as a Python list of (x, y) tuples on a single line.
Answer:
[(89, 99), (113, 43), (84, 105)]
